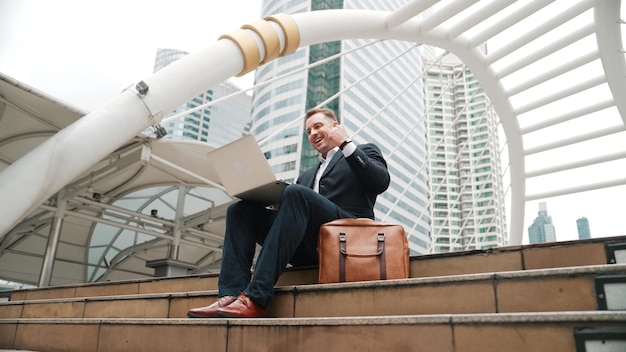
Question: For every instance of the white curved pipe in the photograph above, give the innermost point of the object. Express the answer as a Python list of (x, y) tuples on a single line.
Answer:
[(609, 37), (321, 26), (42, 172), (72, 151)]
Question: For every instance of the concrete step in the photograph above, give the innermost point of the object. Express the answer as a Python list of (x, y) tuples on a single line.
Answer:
[(541, 290), (513, 258), (533, 298), (537, 332)]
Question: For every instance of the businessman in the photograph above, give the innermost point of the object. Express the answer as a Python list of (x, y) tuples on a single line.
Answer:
[(345, 184)]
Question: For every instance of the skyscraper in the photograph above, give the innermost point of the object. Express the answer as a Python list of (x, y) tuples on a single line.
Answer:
[(542, 230), (466, 189), (218, 124), (582, 224), (377, 92)]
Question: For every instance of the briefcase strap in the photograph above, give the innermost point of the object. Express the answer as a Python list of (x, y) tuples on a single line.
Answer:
[(343, 253)]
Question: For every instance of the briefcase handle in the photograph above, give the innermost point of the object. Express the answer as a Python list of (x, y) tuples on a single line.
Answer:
[(380, 251)]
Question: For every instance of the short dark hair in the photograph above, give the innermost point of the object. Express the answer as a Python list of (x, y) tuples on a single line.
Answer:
[(325, 111)]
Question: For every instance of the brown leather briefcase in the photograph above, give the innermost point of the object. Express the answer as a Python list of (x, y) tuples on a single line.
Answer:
[(362, 250)]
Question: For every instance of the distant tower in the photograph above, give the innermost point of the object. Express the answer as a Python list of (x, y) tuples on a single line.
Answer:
[(542, 229), (583, 228)]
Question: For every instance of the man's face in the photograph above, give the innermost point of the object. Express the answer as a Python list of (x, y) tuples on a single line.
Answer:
[(317, 128)]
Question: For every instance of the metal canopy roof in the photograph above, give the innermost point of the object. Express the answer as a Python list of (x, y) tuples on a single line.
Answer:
[(110, 203)]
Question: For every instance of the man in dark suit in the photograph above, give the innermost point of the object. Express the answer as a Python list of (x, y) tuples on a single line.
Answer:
[(345, 184)]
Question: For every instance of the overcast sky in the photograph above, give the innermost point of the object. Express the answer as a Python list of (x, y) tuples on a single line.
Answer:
[(84, 52)]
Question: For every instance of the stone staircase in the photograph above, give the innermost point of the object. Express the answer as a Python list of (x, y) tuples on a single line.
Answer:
[(566, 296)]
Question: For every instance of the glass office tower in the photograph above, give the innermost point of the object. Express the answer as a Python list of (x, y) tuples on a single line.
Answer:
[(542, 230), (377, 92), (582, 224), (467, 197)]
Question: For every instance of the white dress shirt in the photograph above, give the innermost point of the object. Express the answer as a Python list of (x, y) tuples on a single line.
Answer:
[(347, 151)]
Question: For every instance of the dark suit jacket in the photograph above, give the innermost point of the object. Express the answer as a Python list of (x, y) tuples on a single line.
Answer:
[(352, 183)]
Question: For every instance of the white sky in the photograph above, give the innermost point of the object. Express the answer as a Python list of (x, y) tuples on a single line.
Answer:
[(84, 52)]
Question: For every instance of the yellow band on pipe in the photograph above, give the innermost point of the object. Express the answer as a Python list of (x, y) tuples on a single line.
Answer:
[(248, 47), (291, 30), (269, 37)]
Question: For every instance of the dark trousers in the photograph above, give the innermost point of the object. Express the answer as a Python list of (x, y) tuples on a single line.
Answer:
[(287, 235)]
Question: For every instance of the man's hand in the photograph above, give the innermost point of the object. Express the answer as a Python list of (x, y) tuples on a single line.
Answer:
[(338, 134)]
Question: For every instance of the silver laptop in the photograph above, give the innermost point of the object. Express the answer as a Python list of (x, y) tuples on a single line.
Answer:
[(245, 172)]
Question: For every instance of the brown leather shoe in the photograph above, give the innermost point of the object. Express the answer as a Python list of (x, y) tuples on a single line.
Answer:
[(243, 307), (209, 311)]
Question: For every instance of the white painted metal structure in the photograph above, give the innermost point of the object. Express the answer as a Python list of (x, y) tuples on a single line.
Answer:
[(529, 32)]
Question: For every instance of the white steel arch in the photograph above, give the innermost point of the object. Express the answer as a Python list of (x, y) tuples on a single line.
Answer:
[(67, 154)]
